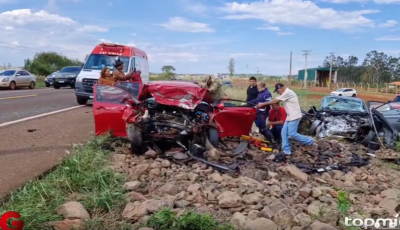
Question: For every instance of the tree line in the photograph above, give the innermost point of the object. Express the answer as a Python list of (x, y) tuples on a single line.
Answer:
[(45, 63), (375, 68)]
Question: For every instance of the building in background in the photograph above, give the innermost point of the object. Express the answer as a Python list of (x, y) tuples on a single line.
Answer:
[(319, 75)]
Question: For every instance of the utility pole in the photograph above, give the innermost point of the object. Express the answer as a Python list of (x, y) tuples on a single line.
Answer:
[(247, 66), (306, 52), (330, 72), (257, 71), (290, 70)]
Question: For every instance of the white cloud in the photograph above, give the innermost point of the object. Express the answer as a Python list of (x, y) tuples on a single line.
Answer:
[(25, 32), (284, 33), (184, 25), (388, 38), (300, 13), (133, 34), (388, 23), (272, 28), (92, 28)]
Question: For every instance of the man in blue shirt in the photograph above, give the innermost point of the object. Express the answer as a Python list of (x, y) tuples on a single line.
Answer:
[(262, 113)]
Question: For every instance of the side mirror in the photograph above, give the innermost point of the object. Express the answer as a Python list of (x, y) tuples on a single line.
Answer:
[(221, 106)]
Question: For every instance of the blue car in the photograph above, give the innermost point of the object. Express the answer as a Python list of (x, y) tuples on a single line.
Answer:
[(227, 83)]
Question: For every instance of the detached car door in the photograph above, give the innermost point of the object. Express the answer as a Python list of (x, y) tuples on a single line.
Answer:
[(234, 119), (108, 107)]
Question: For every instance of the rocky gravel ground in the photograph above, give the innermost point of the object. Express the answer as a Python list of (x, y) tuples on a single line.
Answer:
[(262, 196)]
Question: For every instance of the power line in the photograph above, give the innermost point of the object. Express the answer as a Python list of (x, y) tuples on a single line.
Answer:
[(305, 53)]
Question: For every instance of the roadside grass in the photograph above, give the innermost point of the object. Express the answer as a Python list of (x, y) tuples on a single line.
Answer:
[(84, 177)]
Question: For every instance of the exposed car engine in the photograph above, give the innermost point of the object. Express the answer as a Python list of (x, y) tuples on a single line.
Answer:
[(163, 122), (348, 126)]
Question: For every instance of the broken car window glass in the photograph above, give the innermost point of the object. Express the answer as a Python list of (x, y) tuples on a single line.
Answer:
[(110, 94), (342, 104)]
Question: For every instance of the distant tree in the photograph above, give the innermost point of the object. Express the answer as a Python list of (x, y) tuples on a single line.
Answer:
[(45, 63), (231, 67), (168, 71)]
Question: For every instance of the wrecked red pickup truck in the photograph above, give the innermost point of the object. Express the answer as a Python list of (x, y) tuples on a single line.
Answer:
[(161, 114)]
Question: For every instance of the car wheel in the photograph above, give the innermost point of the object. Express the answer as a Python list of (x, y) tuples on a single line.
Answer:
[(354, 95), (56, 86), (136, 138), (370, 136), (213, 137), (13, 85), (47, 85), (32, 85), (81, 100), (340, 95), (72, 86)]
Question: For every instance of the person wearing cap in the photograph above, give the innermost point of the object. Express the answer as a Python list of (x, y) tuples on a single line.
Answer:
[(118, 73), (263, 112), (214, 88), (293, 111)]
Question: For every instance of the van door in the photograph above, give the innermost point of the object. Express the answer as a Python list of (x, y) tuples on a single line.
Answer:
[(143, 65)]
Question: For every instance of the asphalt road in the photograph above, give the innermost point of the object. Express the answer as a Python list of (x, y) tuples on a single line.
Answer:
[(18, 104)]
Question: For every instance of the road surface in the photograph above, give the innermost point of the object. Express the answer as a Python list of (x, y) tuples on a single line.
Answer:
[(18, 104), (25, 155)]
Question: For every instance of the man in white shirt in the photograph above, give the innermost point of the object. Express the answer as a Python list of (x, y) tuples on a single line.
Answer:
[(293, 111)]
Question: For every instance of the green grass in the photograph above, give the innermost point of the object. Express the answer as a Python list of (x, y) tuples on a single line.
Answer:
[(166, 219), (83, 177)]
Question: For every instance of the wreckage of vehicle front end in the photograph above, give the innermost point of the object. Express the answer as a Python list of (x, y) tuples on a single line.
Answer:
[(183, 122), (350, 118)]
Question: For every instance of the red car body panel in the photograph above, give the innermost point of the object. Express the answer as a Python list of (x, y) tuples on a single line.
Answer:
[(112, 113)]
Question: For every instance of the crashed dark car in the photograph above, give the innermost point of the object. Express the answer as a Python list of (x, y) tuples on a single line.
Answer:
[(349, 118), (165, 115)]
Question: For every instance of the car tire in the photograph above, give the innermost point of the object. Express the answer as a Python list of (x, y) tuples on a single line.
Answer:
[(340, 95), (47, 85), (213, 137), (56, 86), (32, 85), (72, 86), (136, 139), (354, 95), (81, 100), (370, 136), (13, 85)]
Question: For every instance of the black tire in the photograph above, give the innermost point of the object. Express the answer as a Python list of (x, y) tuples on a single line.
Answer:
[(340, 95), (213, 137), (370, 136), (32, 85), (47, 85), (81, 100), (13, 85), (56, 86), (136, 139), (354, 95), (72, 86)]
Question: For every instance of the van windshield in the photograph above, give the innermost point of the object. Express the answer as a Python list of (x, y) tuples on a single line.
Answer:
[(99, 61)]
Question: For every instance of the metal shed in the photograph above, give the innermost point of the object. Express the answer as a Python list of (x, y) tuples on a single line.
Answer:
[(319, 75)]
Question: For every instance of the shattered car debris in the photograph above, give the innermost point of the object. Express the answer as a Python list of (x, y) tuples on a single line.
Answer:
[(164, 115), (349, 118)]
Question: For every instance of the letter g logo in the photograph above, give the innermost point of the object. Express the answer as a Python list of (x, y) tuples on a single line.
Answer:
[(16, 224)]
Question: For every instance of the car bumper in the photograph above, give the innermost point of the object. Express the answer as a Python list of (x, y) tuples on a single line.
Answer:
[(80, 91), (64, 81), (49, 81), (4, 84)]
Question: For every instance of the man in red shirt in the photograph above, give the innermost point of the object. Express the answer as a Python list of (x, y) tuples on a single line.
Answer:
[(276, 119)]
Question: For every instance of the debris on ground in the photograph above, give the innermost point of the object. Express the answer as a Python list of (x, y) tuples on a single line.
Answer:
[(264, 192)]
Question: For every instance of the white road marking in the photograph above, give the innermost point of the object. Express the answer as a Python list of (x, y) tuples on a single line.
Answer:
[(40, 115), (23, 91)]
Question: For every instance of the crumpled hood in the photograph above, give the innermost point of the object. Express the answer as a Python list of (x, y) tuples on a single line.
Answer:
[(186, 95)]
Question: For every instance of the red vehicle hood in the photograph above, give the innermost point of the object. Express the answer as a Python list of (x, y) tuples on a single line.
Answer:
[(186, 95)]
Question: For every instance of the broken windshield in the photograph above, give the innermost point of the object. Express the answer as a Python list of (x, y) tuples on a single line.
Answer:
[(342, 104)]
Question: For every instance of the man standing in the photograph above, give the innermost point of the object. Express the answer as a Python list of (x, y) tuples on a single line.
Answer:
[(293, 111), (252, 90), (262, 113), (276, 119), (214, 87)]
